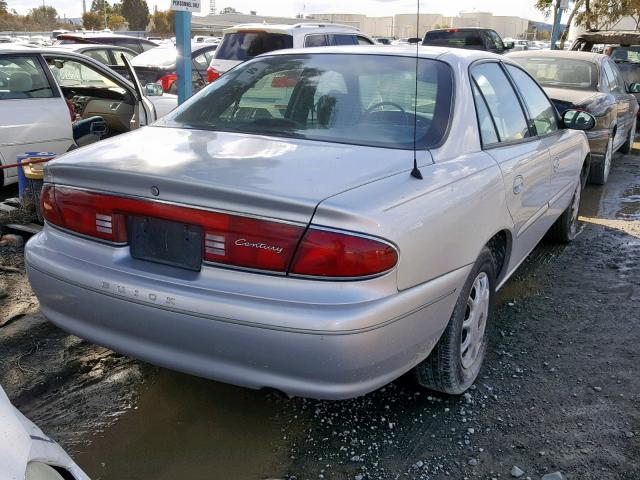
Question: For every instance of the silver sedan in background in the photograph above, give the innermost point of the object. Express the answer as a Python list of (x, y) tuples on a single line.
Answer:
[(316, 221)]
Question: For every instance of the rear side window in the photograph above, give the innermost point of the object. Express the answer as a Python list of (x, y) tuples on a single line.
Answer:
[(101, 56), (127, 54), (316, 41), (485, 122), (540, 108), (502, 101), (146, 45), (496, 40), (132, 44), (23, 77), (341, 39), (245, 45), (366, 41)]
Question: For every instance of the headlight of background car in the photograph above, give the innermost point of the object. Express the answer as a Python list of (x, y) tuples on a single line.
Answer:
[(41, 471)]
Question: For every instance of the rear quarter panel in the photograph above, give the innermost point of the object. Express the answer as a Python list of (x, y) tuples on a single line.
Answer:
[(439, 224)]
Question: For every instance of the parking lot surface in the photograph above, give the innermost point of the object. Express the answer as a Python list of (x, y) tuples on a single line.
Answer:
[(560, 390)]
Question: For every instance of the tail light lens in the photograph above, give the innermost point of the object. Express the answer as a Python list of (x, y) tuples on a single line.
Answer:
[(212, 74), (228, 239), (167, 81), (334, 254)]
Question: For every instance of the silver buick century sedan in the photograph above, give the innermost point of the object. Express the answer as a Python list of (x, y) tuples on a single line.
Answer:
[(317, 221)]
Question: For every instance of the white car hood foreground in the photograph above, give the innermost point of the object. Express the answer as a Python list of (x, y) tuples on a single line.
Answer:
[(22, 442)]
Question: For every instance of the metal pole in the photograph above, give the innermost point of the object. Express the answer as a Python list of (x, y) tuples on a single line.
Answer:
[(556, 27), (183, 64)]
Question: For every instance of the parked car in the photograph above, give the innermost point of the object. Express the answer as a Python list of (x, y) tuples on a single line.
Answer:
[(221, 241), (109, 55), (136, 44), (246, 41), (591, 82), (28, 453), (471, 38), (407, 41), (158, 65), (36, 86), (622, 47)]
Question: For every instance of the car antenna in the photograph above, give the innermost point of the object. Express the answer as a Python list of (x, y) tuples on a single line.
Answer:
[(416, 171)]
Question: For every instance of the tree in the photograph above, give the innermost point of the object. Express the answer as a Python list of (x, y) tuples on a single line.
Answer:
[(3, 7), (44, 16), (92, 21), (115, 22), (228, 10), (160, 22), (136, 12)]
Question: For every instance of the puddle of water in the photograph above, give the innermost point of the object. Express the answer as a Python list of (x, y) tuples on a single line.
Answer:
[(188, 427), (630, 204)]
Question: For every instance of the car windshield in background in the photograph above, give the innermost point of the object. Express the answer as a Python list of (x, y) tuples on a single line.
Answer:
[(245, 45), (157, 57), (561, 72), (626, 54), (322, 97), (454, 38)]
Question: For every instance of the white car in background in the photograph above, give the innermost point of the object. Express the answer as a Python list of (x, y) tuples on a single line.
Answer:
[(27, 453), (243, 42), (35, 85)]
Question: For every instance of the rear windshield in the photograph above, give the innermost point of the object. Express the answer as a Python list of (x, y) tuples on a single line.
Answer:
[(454, 38), (245, 45), (322, 97), (561, 72)]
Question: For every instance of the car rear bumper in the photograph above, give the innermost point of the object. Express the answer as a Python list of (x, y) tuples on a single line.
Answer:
[(350, 340)]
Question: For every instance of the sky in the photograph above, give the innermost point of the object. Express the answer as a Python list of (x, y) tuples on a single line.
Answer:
[(288, 8)]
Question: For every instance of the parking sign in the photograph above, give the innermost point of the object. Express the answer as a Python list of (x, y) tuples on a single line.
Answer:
[(187, 5)]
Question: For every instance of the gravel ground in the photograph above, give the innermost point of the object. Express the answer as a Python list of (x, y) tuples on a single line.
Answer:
[(560, 391)]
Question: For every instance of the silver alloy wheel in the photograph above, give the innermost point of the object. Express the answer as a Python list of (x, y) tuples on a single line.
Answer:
[(475, 320), (607, 158), (575, 208)]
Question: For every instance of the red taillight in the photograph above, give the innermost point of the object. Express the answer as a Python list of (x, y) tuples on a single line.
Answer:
[(232, 240), (167, 81), (212, 74), (333, 254)]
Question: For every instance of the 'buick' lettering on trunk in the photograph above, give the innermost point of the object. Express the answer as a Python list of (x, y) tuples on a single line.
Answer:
[(243, 242)]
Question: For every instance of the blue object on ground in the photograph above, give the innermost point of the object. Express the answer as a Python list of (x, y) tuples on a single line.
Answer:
[(22, 180)]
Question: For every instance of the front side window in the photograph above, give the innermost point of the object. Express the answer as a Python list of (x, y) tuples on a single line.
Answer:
[(118, 58), (540, 108), (340, 39), (366, 41), (23, 77), (71, 73), (496, 40), (322, 97), (502, 101)]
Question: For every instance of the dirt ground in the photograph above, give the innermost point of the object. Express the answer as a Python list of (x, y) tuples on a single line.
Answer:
[(560, 390)]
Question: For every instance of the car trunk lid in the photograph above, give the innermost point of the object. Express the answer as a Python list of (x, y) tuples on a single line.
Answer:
[(279, 178)]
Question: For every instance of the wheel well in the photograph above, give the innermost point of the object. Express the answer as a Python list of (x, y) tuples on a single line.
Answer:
[(500, 246), (584, 172)]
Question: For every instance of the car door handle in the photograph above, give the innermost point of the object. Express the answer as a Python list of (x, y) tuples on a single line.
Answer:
[(518, 184), (556, 164)]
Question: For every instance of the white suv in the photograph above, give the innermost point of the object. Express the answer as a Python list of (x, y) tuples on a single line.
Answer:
[(242, 42)]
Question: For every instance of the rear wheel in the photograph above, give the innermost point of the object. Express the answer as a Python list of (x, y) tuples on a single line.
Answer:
[(565, 229), (599, 174), (455, 361), (628, 145)]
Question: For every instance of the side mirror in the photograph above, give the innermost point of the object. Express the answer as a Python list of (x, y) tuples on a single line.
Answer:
[(153, 90), (634, 88), (578, 120), (509, 45)]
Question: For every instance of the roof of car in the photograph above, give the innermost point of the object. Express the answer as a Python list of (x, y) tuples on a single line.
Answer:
[(587, 56), (276, 28), (99, 35), (444, 53), (83, 46)]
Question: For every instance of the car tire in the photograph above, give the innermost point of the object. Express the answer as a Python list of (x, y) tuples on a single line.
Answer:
[(455, 361), (599, 174), (566, 227), (627, 146)]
